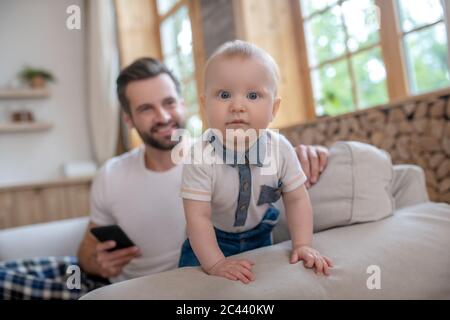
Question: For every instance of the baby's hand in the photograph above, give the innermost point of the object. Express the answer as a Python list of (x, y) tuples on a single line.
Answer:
[(312, 258), (233, 269)]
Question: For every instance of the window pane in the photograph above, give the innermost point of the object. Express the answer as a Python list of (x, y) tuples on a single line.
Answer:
[(176, 31), (190, 96), (427, 57), (185, 53), (176, 38), (184, 37), (169, 32), (168, 38), (370, 77), (311, 6), (332, 89), (186, 66), (325, 36), (416, 13), (165, 5), (194, 125), (173, 64), (361, 20)]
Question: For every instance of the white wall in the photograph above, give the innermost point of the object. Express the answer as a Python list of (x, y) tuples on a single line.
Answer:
[(34, 33)]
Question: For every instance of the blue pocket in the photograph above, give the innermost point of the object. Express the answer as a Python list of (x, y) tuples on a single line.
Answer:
[(269, 194)]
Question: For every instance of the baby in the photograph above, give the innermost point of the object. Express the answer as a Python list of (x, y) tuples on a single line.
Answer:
[(228, 203)]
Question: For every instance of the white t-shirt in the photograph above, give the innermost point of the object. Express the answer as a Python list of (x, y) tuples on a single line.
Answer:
[(218, 183), (146, 205)]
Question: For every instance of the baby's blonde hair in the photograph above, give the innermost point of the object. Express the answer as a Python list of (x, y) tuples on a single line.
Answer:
[(239, 48)]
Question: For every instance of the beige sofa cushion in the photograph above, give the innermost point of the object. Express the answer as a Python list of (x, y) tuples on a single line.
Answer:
[(354, 188), (410, 248)]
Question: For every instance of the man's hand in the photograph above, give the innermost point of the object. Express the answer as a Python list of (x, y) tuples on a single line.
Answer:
[(312, 259), (111, 263), (313, 160), (234, 270)]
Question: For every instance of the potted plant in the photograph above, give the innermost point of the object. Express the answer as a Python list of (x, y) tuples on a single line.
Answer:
[(36, 78)]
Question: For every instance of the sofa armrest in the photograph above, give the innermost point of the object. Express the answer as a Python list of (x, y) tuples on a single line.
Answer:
[(408, 186), (59, 238)]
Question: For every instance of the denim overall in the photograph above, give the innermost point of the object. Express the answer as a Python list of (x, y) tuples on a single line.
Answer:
[(260, 236)]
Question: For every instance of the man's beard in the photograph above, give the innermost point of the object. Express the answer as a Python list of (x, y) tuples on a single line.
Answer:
[(160, 144)]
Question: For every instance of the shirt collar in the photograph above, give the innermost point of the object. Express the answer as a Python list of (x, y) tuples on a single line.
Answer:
[(255, 154)]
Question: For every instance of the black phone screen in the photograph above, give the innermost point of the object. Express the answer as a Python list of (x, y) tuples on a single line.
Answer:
[(112, 232)]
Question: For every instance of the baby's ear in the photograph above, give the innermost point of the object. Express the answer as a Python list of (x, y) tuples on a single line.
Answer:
[(202, 100), (276, 106)]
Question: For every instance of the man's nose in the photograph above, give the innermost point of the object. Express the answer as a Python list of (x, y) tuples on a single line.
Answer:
[(162, 115)]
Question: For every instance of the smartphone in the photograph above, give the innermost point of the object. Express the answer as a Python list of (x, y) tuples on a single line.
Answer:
[(112, 232)]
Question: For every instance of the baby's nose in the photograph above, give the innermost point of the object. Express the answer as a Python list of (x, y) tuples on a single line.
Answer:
[(236, 106)]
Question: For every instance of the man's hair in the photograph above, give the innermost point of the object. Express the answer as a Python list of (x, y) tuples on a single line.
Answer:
[(239, 48), (140, 69)]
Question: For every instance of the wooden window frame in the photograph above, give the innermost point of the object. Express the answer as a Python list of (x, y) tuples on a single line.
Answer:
[(402, 34), (139, 33), (392, 51), (194, 7)]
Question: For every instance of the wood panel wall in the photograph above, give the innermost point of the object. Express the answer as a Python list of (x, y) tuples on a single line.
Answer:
[(37, 203), (414, 131)]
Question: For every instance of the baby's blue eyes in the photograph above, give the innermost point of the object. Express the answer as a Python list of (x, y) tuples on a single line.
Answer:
[(252, 95), (224, 95)]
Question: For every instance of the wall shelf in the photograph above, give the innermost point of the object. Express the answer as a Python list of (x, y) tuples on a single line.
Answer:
[(24, 93), (24, 127)]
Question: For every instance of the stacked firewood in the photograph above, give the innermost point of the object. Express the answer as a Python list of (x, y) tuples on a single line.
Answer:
[(416, 132)]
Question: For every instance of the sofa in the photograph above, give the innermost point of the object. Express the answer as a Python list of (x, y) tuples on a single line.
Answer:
[(403, 253)]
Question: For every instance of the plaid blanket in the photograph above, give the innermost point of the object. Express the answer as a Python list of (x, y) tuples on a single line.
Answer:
[(45, 278)]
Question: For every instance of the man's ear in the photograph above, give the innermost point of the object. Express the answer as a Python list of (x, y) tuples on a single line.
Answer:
[(276, 106), (127, 118)]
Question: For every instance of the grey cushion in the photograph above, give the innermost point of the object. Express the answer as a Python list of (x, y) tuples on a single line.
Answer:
[(354, 188)]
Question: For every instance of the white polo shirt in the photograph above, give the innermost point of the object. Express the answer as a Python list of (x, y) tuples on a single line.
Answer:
[(218, 182)]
